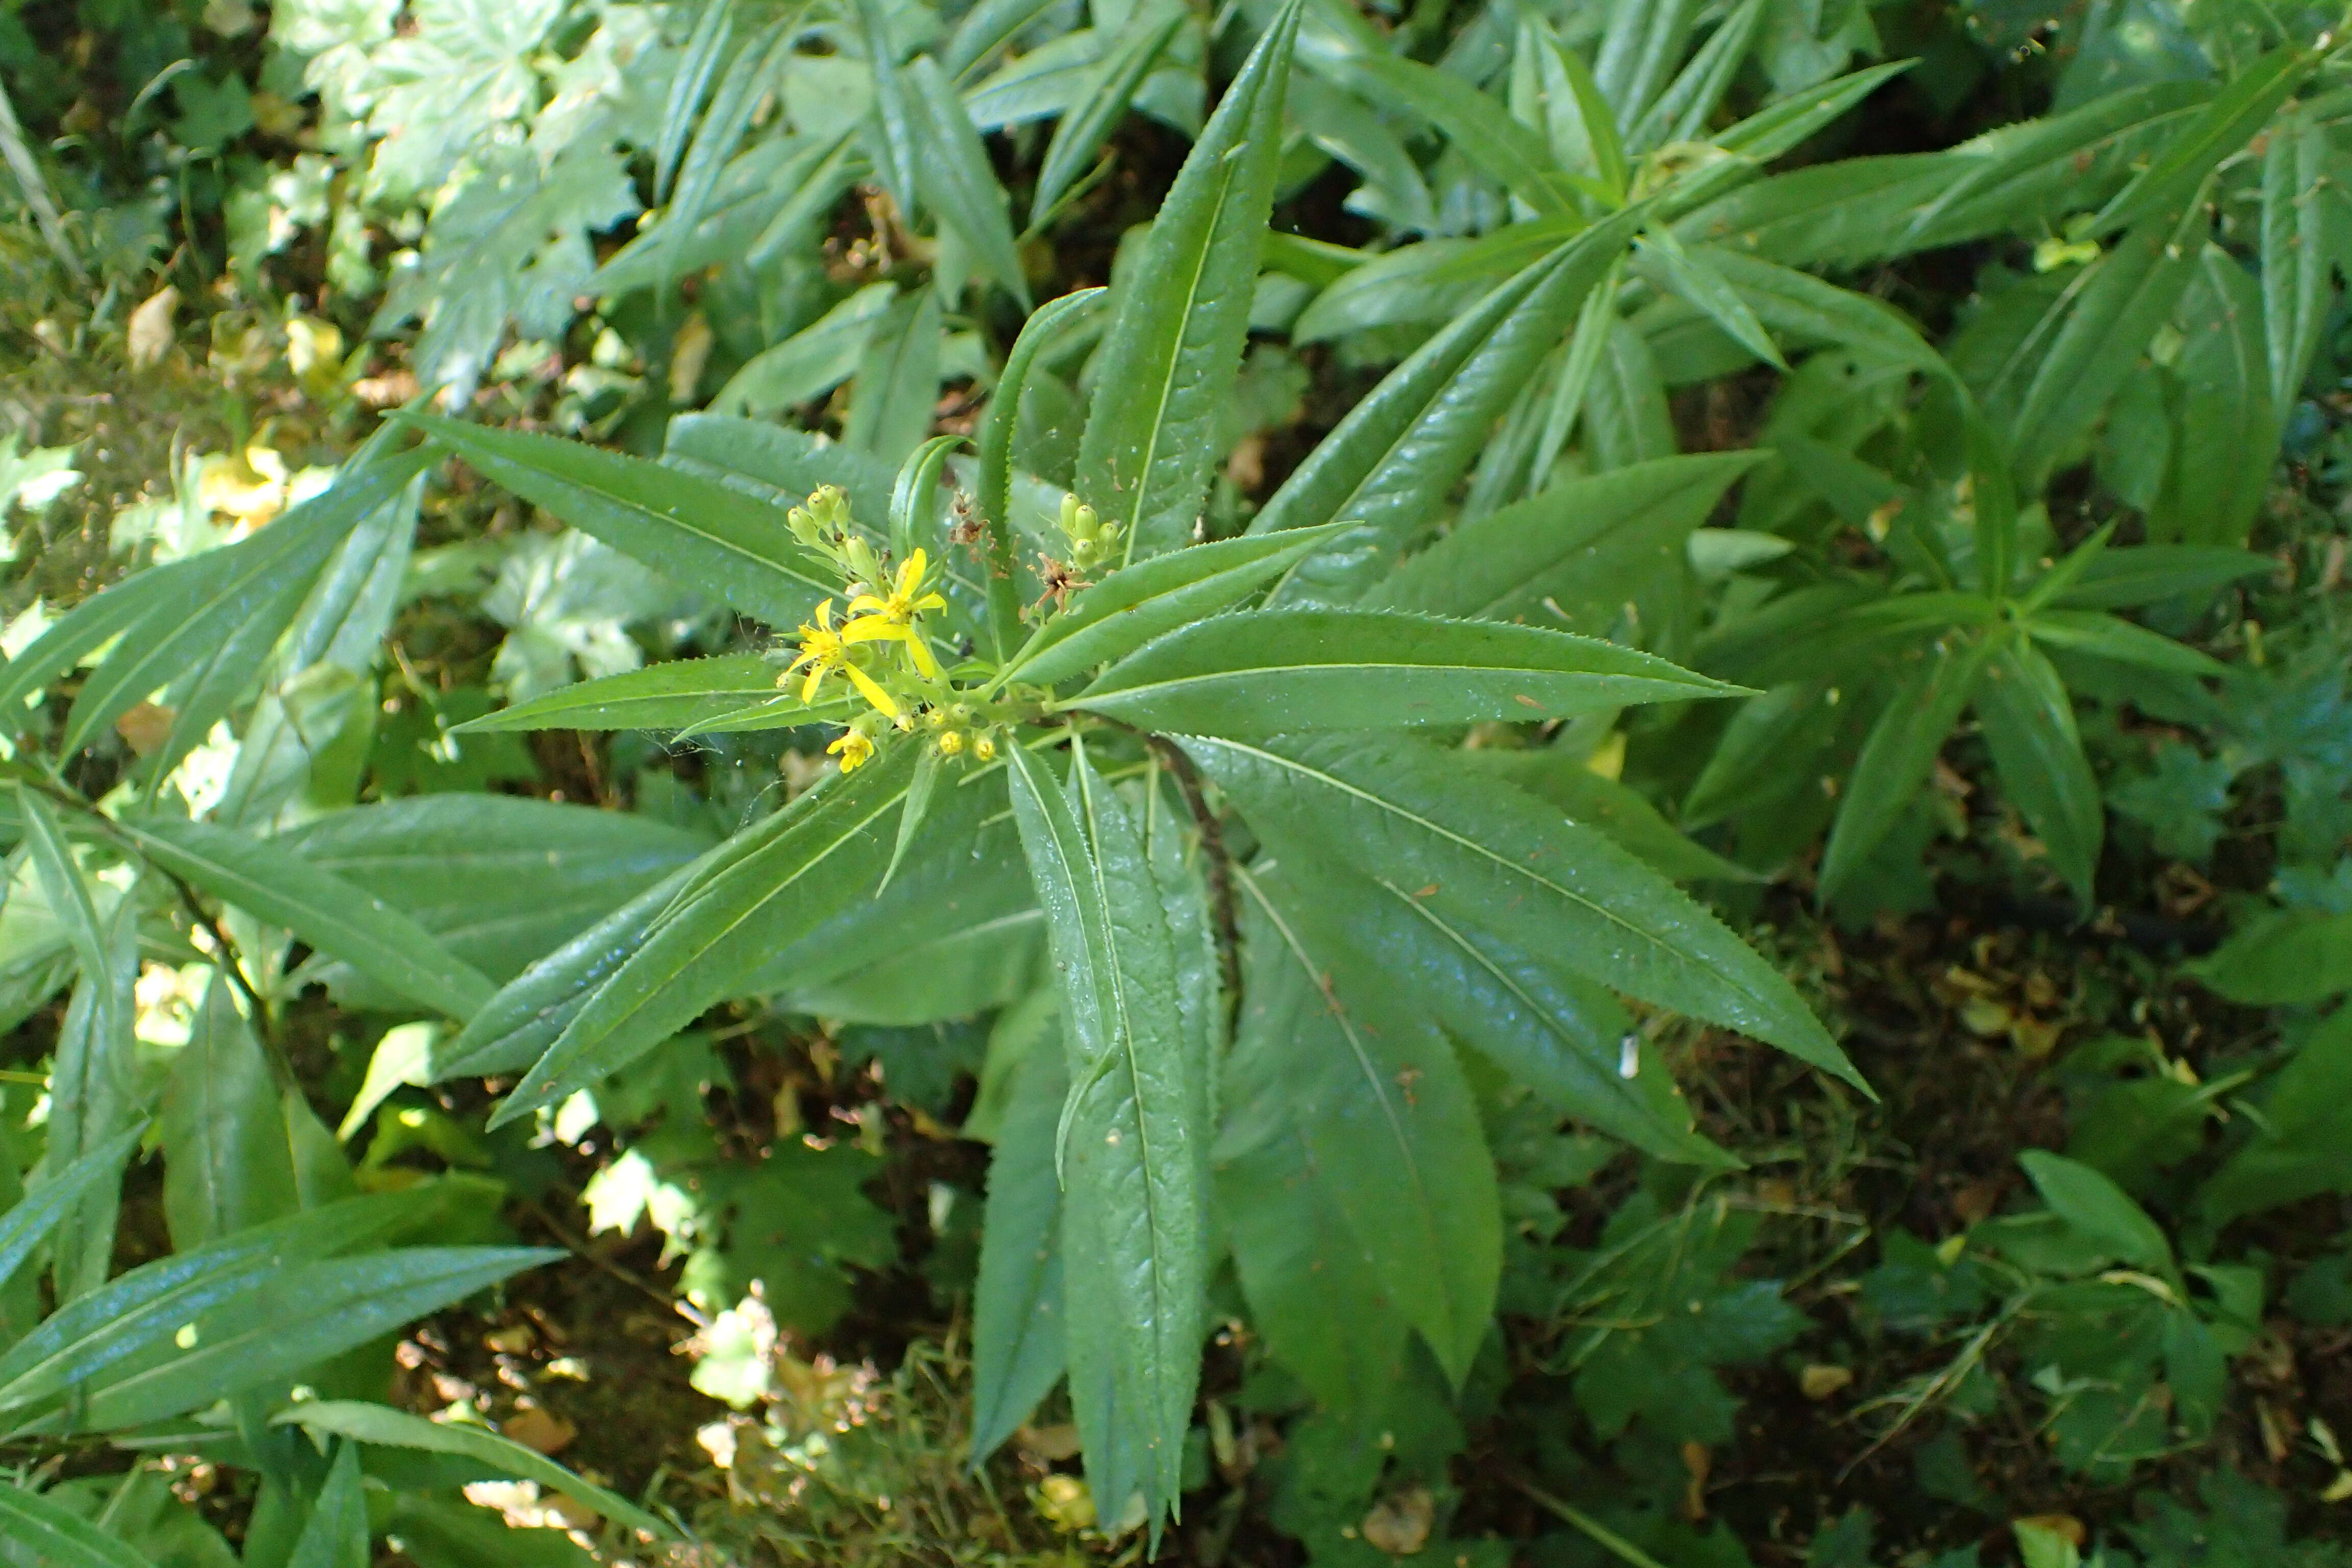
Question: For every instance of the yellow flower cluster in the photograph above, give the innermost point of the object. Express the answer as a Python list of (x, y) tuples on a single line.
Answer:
[(884, 608)]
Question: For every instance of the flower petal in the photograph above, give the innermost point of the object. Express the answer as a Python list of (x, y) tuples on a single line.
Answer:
[(873, 693)]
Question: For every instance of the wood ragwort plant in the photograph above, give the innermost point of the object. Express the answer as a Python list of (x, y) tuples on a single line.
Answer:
[(1221, 786)]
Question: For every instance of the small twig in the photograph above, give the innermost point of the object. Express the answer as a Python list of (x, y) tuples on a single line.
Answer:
[(1222, 910), (1603, 1536), (577, 1245)]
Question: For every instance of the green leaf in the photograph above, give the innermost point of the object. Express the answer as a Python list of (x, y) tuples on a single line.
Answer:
[(1803, 306), (299, 1316), (1165, 373), (751, 895), (714, 27), (93, 1077), (2143, 575), (2237, 113), (894, 149), (1618, 810), (995, 443), (1639, 47), (729, 691), (2286, 960), (1135, 1129), (812, 361), (2107, 636), (264, 1304), (59, 1537), (1137, 602), (914, 497), (227, 1136), (898, 380), (1089, 121), (1850, 212), (331, 915), (28, 1222), (1588, 547), (1017, 1335), (1899, 753), (336, 1533), (2096, 334), (1331, 1051), (2029, 728), (1476, 854), (381, 1426), (2226, 441), (781, 466), (1312, 1291), (2295, 252), (732, 109), (500, 879), (2298, 1152), (1257, 672), (1388, 465), (1680, 114), (2099, 1208), (205, 626), (1583, 127), (696, 531), (1473, 124), (515, 1027), (1688, 276)]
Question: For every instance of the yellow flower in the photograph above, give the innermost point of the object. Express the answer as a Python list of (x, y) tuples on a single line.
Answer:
[(855, 748), (984, 748), (895, 611), (252, 489), (825, 648)]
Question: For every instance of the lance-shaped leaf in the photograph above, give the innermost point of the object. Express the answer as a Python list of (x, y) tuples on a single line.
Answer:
[(2235, 116), (502, 879), (1017, 1334), (294, 1317), (379, 1426), (1259, 672), (1311, 1289), (207, 624), (32, 1218), (696, 531), (1334, 1050), (1089, 121), (336, 1533), (515, 1027), (1476, 125), (1391, 462), (2121, 578), (274, 884), (1167, 368), (1137, 602), (131, 1326), (995, 452), (1135, 1131), (2295, 261), (237, 1153), (754, 894), (1695, 280), (2287, 958), (1901, 751), (2226, 441), (1482, 856), (2094, 335), (728, 691), (1573, 555), (2029, 728), (58, 1537)]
